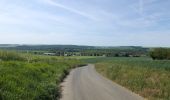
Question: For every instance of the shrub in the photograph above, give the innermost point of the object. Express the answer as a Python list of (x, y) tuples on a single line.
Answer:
[(160, 53)]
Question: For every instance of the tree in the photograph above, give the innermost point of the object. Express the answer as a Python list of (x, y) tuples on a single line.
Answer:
[(160, 53)]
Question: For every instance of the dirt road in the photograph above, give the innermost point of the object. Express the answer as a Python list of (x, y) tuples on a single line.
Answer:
[(85, 83)]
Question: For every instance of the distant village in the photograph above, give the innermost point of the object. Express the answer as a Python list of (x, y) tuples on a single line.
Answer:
[(120, 54)]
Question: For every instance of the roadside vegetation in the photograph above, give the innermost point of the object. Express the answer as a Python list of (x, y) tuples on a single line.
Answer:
[(29, 77), (148, 78)]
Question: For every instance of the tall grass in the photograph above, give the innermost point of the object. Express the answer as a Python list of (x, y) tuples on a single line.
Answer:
[(10, 55), (150, 79), (37, 79)]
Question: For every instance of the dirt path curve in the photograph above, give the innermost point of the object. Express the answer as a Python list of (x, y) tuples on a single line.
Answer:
[(85, 83)]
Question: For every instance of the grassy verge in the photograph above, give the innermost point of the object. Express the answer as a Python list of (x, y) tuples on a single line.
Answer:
[(32, 77), (150, 79)]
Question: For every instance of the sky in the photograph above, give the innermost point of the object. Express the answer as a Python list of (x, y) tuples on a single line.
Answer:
[(86, 22)]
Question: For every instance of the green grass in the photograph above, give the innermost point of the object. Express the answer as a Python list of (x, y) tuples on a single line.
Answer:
[(36, 79), (10, 55), (150, 79)]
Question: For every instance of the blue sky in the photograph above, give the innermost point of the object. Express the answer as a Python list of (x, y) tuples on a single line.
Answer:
[(85, 22)]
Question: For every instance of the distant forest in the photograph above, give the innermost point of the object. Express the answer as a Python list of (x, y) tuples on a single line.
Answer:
[(75, 50)]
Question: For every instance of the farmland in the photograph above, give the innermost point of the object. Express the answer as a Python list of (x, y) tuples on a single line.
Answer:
[(144, 76), (32, 75)]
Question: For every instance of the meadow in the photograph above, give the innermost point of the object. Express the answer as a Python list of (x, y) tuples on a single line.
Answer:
[(144, 76), (30, 77)]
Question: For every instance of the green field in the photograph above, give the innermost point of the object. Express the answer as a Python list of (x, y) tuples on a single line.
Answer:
[(37, 77), (29, 77), (149, 78)]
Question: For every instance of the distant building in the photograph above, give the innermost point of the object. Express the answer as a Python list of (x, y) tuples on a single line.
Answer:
[(104, 55), (50, 54), (65, 54)]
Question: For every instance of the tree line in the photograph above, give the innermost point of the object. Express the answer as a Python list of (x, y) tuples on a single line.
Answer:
[(160, 53)]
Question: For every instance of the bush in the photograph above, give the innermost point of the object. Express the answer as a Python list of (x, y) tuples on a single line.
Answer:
[(160, 53)]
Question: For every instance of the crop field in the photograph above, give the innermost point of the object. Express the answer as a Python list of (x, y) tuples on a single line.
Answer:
[(144, 76), (29, 77)]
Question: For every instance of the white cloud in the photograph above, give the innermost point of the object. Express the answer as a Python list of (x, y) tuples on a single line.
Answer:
[(70, 9)]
